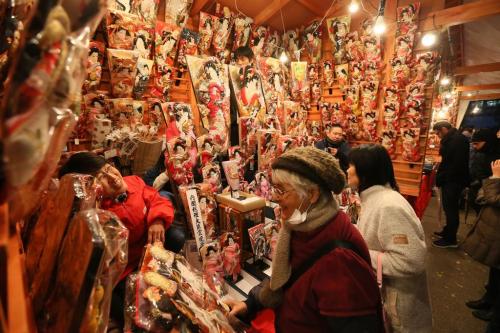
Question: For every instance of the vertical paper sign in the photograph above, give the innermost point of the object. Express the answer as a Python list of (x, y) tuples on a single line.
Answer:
[(196, 217)]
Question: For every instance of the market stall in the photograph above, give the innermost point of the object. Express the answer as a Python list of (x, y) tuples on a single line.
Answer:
[(157, 80)]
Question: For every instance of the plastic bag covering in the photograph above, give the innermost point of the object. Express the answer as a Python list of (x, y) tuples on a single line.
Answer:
[(167, 292), (29, 134), (39, 120), (206, 28), (177, 11), (115, 236)]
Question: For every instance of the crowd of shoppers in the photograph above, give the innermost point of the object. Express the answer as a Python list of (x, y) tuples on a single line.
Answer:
[(378, 265)]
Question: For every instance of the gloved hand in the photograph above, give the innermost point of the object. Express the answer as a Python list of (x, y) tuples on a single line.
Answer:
[(160, 181)]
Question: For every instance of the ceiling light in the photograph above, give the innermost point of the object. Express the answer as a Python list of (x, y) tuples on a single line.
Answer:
[(445, 81), (379, 27), (283, 58), (447, 95), (476, 109), (429, 39), (469, 94), (353, 7)]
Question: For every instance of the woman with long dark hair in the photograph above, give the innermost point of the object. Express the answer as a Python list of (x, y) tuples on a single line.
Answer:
[(394, 237)]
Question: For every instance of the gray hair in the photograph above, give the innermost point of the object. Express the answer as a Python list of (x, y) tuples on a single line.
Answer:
[(300, 184)]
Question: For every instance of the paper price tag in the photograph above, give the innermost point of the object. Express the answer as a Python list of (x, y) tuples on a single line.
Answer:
[(77, 141)]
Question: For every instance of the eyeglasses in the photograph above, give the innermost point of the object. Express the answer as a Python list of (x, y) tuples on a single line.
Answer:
[(278, 193)]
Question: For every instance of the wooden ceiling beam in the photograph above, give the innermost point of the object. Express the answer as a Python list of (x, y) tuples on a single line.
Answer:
[(469, 12), (466, 70), (310, 7), (199, 5), (270, 11), (478, 87), (480, 97)]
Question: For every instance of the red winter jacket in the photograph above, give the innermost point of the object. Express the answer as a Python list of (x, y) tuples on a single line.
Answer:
[(142, 207)]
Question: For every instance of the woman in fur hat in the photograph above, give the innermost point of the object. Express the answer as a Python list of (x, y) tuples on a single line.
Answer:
[(321, 280)]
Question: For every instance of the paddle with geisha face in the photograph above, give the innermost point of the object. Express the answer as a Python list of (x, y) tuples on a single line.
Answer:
[(291, 44), (94, 66), (211, 85), (267, 149), (351, 99), (372, 49), (121, 28), (179, 162), (188, 45), (259, 39), (212, 175), (400, 72), (223, 29), (247, 128), (206, 29), (353, 129), (357, 70), (143, 40), (328, 73), (247, 87), (424, 67), (392, 103), (300, 83), (146, 10), (272, 45), (295, 121), (122, 69), (325, 113), (354, 47), (311, 40), (338, 28), (242, 31), (342, 74), (179, 119), (339, 111), (273, 84), (388, 140), (314, 130), (166, 40), (177, 11), (414, 104), (407, 19), (410, 138)]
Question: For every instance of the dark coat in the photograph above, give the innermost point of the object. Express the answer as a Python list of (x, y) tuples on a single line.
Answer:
[(454, 166), (483, 241), (480, 167), (342, 154)]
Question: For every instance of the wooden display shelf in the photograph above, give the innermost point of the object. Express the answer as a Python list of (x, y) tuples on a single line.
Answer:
[(20, 315)]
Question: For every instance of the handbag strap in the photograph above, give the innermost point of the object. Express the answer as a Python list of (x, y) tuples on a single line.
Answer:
[(379, 269), (325, 249)]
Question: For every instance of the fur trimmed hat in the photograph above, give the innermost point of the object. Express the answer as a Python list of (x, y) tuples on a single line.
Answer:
[(315, 165)]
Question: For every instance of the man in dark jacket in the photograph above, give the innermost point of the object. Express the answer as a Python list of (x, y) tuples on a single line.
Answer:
[(335, 144), (486, 150), (452, 177)]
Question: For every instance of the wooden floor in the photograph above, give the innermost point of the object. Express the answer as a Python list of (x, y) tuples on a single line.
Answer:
[(453, 279)]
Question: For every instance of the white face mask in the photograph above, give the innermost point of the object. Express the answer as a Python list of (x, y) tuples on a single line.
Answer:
[(297, 217)]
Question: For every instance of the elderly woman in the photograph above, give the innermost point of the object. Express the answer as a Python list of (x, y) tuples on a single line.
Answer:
[(395, 238), (322, 280)]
